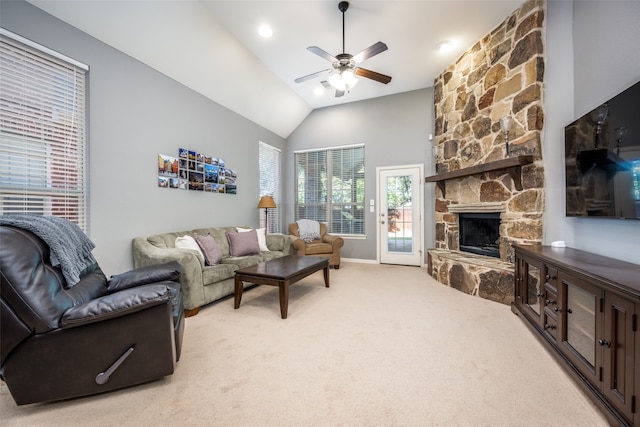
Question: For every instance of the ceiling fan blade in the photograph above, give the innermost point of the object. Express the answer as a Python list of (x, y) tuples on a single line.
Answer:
[(310, 76), (372, 50), (368, 74), (339, 93), (322, 53)]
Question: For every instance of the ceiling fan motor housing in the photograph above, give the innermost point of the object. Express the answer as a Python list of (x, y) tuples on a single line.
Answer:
[(344, 60), (343, 6)]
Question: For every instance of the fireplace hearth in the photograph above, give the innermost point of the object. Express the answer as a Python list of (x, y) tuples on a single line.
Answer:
[(480, 233)]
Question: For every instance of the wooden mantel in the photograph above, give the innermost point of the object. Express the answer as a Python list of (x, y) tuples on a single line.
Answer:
[(511, 164)]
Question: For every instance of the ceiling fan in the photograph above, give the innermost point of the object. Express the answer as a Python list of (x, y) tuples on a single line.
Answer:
[(342, 75)]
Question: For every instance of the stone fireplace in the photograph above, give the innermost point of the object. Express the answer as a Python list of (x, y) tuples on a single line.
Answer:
[(501, 75)]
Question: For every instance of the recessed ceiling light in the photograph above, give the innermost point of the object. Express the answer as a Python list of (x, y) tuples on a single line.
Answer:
[(265, 31), (444, 46)]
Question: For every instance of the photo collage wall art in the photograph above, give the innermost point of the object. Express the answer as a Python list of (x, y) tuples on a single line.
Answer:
[(195, 171)]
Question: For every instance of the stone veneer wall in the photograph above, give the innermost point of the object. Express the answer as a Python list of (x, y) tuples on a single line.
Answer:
[(501, 75)]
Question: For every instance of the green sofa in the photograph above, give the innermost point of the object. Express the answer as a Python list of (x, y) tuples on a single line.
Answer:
[(202, 284)]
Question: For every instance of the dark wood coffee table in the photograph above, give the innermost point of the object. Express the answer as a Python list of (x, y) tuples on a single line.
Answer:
[(280, 272)]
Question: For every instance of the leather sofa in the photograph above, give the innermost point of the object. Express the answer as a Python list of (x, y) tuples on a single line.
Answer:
[(59, 341), (202, 283)]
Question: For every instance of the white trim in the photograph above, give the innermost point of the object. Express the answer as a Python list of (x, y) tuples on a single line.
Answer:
[(359, 261), (339, 147), (351, 236), (41, 48)]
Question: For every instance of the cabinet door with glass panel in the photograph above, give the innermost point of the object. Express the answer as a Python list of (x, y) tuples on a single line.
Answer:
[(529, 292), (581, 324), (617, 342)]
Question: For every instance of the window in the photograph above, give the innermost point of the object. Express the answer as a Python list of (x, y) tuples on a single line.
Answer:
[(269, 164), (330, 188), (43, 141)]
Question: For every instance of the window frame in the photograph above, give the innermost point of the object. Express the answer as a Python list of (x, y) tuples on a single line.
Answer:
[(334, 204), (270, 172), (44, 146)]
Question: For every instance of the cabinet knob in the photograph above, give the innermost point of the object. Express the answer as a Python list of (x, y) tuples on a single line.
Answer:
[(604, 343), (539, 295), (550, 301), (556, 309), (550, 277), (548, 326)]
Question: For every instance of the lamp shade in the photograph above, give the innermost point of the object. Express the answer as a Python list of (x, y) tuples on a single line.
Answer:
[(266, 202), (505, 123), (343, 80)]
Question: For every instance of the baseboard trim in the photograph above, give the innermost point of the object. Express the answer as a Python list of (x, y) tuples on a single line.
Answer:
[(360, 261)]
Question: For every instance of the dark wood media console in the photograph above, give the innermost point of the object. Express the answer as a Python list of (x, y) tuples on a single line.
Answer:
[(584, 309)]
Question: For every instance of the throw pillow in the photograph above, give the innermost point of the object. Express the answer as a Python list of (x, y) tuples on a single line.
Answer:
[(210, 249), (262, 237), (188, 242), (241, 244)]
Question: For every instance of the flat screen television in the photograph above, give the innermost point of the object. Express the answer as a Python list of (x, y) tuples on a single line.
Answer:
[(602, 159)]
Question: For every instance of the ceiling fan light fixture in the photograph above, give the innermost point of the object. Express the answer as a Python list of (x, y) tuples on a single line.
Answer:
[(342, 76), (343, 80)]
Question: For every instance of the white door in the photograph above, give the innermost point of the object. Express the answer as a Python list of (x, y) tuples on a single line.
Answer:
[(400, 215)]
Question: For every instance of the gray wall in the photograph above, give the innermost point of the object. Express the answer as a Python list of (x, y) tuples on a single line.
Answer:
[(395, 130), (592, 55), (137, 113)]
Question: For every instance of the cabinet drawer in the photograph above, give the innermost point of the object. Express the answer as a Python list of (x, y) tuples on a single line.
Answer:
[(550, 323), (551, 298), (551, 277)]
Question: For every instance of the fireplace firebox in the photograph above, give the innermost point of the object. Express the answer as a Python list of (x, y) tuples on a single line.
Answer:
[(480, 233)]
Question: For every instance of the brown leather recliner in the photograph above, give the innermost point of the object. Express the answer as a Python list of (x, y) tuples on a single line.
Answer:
[(327, 246), (59, 342)]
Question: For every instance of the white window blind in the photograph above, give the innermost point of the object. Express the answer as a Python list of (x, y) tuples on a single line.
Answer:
[(269, 164), (330, 188), (43, 140)]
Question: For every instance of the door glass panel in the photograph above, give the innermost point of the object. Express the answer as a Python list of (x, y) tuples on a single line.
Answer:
[(581, 322), (399, 211), (533, 288)]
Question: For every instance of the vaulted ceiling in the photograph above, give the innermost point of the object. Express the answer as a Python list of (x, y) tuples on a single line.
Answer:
[(213, 46)]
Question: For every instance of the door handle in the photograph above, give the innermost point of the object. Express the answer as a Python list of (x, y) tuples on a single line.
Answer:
[(381, 222)]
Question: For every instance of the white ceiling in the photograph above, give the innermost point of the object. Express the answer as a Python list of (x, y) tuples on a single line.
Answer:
[(213, 47)]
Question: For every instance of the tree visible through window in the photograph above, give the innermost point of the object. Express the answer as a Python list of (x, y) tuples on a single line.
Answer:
[(43, 147), (330, 188)]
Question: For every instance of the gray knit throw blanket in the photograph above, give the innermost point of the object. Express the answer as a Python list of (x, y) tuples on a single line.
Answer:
[(308, 230), (70, 247)]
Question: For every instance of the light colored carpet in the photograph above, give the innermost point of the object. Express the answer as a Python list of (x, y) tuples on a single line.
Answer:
[(383, 346)]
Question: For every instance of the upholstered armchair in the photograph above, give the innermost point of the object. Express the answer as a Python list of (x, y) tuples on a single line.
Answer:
[(327, 246), (59, 341)]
